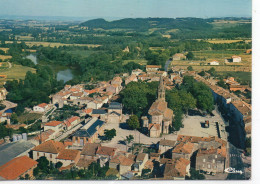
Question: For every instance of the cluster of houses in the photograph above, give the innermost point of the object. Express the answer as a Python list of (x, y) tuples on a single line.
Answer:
[(209, 152), (236, 108), (94, 98)]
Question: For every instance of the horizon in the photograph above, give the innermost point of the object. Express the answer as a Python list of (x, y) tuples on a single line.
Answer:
[(119, 9)]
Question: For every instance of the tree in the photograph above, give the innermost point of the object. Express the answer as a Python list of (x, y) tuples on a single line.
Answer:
[(190, 68), (177, 121), (43, 163), (133, 122), (128, 140), (222, 84), (58, 165), (212, 71), (110, 134), (195, 175), (202, 73), (36, 171), (190, 56)]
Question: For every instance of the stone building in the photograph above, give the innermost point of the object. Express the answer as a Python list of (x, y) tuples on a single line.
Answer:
[(159, 115)]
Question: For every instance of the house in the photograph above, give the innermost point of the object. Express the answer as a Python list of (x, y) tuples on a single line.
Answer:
[(43, 136), (176, 169), (94, 104), (160, 116), (236, 59), (17, 168), (141, 159), (114, 88), (131, 78), (116, 80), (214, 62), (43, 107), (164, 145), (9, 151), (71, 122), (136, 72), (56, 126), (178, 56), (88, 133), (50, 149), (89, 151), (211, 160), (68, 157), (155, 156), (99, 113), (75, 96), (104, 154), (248, 51), (3, 93), (152, 68), (122, 163), (183, 150)]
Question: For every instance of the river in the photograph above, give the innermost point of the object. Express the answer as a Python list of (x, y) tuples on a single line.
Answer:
[(63, 73)]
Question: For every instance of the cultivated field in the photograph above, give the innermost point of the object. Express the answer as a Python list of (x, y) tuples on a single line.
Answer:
[(226, 41)]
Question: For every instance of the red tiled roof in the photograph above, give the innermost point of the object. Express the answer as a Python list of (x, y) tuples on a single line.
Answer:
[(50, 146), (42, 105), (186, 148), (103, 150), (16, 167), (68, 154), (153, 66), (53, 123)]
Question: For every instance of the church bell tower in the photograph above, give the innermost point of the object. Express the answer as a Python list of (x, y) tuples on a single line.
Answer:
[(161, 90)]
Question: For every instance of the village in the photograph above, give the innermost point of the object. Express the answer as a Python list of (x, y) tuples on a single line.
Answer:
[(153, 152)]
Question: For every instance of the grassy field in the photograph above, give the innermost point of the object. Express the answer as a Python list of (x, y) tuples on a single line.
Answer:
[(16, 72), (28, 117), (52, 44), (139, 61), (243, 76), (4, 57)]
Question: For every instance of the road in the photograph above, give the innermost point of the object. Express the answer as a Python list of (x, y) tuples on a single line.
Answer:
[(167, 64), (235, 161)]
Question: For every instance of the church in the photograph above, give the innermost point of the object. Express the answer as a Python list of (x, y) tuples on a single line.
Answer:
[(159, 117)]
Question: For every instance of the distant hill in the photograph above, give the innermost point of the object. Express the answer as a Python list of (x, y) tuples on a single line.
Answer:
[(148, 23)]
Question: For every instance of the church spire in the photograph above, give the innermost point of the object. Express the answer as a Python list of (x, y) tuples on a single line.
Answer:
[(161, 90)]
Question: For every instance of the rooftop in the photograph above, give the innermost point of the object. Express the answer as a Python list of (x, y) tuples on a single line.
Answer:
[(16, 167), (165, 142), (14, 149), (103, 150), (90, 131), (90, 149), (68, 154), (50, 146), (53, 123)]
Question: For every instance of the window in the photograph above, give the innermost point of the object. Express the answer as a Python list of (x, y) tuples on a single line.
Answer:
[(50, 155), (213, 161), (37, 154), (204, 160), (203, 165), (216, 156), (208, 166)]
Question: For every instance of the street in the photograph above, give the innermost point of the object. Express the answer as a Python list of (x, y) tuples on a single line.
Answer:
[(235, 161)]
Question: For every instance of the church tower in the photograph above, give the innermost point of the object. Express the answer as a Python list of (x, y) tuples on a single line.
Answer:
[(161, 90)]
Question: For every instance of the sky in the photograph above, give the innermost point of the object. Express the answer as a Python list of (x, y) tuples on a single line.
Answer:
[(127, 8)]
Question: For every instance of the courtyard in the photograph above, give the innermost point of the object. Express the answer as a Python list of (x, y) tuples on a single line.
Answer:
[(192, 126)]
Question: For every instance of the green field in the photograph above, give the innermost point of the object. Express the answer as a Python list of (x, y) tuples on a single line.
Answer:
[(138, 61), (16, 71), (28, 117), (242, 76)]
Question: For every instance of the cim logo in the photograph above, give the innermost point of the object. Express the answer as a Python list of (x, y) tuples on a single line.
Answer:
[(233, 170)]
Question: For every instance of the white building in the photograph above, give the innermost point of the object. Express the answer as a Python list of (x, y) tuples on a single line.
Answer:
[(41, 107), (214, 63), (236, 59)]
